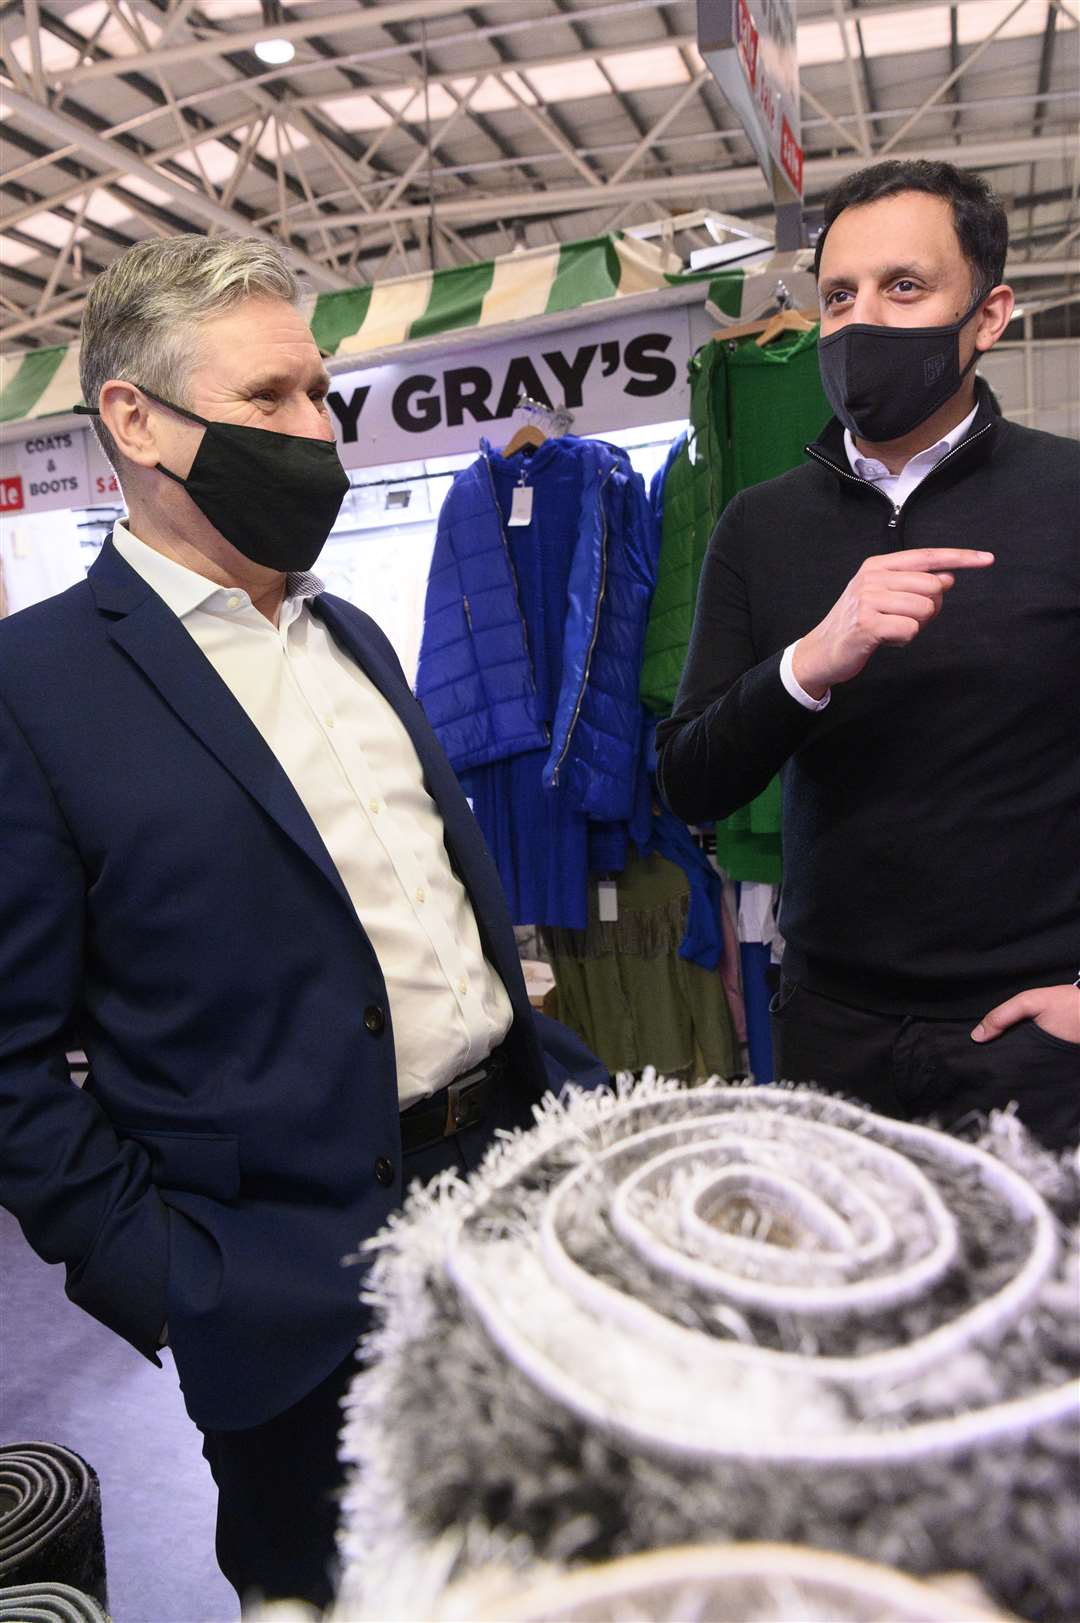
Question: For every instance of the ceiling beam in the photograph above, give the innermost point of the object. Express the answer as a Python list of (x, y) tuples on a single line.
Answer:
[(416, 10), (854, 87), (726, 186), (656, 130), (342, 22), (53, 200), (62, 128), (951, 78)]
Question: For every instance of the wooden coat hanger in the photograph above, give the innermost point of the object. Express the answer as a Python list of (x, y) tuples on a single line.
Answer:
[(787, 321), (527, 434), (769, 327)]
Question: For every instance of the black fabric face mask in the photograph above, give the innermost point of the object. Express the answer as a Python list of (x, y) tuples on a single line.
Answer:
[(882, 382), (273, 496)]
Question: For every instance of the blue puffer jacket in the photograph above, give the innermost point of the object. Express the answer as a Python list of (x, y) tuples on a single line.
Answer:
[(488, 690)]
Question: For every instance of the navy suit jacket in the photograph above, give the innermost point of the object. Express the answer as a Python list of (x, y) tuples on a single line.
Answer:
[(166, 903)]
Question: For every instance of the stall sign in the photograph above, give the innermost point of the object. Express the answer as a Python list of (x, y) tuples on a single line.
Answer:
[(44, 472), (625, 373), (751, 47)]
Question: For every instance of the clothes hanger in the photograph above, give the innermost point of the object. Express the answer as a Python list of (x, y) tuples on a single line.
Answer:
[(527, 435), (769, 327), (787, 321)]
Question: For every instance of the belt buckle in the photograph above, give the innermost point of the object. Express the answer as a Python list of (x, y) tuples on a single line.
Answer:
[(464, 1103)]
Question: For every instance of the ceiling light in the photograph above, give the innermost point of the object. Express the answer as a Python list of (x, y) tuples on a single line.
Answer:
[(275, 51)]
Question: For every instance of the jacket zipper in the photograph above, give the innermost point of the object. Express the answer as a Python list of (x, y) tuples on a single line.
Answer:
[(895, 510), (517, 592), (595, 632)]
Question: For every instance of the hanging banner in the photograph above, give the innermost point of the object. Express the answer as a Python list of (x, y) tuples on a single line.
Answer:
[(621, 374), (44, 472), (626, 373), (751, 47)]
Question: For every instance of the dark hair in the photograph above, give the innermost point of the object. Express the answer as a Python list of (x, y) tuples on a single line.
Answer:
[(982, 225)]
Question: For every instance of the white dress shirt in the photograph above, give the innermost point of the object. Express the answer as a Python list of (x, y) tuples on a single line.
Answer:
[(353, 765), (897, 487)]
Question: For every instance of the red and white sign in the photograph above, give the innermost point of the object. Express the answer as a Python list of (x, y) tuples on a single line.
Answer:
[(747, 42), (791, 156), (751, 47), (12, 499)]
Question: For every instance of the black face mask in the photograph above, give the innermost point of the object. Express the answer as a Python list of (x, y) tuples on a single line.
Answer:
[(274, 496), (882, 382)]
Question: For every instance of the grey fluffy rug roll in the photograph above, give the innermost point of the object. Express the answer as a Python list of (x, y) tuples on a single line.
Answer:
[(670, 1316)]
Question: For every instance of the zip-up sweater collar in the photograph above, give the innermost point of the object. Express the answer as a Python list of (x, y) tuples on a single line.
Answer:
[(974, 448)]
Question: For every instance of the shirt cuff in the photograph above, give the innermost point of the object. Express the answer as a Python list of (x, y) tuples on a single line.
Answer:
[(799, 693)]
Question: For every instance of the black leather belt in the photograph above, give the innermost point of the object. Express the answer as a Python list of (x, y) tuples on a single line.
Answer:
[(463, 1103)]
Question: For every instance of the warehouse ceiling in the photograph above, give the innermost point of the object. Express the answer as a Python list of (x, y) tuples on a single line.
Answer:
[(406, 134)]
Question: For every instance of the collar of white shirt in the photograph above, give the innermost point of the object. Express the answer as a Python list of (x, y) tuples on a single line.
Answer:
[(183, 590), (918, 466)]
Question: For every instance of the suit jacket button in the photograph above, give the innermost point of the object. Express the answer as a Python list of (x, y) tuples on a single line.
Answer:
[(384, 1172), (374, 1019)]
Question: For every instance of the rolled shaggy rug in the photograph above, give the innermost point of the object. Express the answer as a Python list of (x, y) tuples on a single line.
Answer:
[(50, 1520), (671, 1316), (705, 1583), (48, 1603)]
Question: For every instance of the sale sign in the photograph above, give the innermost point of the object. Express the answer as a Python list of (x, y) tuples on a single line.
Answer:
[(12, 495)]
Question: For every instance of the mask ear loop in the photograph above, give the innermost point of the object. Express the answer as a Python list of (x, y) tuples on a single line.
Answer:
[(961, 324), (170, 405)]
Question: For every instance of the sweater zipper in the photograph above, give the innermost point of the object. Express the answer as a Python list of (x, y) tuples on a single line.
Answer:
[(595, 632), (517, 592), (895, 511)]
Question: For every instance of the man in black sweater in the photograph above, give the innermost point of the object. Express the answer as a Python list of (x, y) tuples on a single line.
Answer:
[(896, 625)]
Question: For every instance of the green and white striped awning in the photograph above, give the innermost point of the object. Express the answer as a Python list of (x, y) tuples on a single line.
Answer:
[(365, 320), (518, 287)]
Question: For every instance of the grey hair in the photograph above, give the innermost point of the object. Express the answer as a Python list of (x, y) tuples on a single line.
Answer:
[(140, 319)]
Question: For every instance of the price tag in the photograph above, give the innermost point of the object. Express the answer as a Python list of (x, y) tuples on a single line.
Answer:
[(521, 508), (608, 893)]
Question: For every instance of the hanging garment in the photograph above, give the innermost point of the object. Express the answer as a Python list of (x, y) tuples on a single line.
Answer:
[(530, 659), (626, 990), (533, 632), (748, 842), (689, 493), (753, 410)]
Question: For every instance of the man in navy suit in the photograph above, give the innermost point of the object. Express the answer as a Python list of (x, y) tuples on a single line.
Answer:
[(237, 868)]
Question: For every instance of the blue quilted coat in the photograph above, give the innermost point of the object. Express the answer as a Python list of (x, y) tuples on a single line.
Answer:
[(533, 636)]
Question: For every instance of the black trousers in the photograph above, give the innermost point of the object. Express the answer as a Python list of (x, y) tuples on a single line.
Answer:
[(279, 1484), (919, 1069), (279, 1487)]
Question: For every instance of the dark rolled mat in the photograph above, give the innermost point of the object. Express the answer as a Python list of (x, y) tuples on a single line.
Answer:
[(49, 1603), (50, 1520)]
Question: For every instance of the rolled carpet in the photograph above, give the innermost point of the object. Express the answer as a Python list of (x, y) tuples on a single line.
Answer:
[(669, 1316), (49, 1603), (50, 1520)]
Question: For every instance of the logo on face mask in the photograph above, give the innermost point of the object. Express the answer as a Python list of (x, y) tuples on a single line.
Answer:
[(933, 367)]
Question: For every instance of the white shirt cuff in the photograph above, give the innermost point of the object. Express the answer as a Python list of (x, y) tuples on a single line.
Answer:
[(799, 693)]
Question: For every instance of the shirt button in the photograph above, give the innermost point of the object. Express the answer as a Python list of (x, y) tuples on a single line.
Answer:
[(373, 807), (328, 721), (374, 1019), (421, 893), (462, 986), (384, 1171), (234, 602)]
